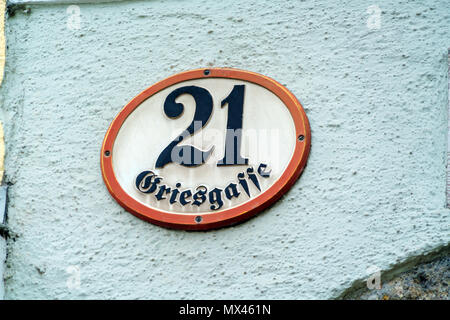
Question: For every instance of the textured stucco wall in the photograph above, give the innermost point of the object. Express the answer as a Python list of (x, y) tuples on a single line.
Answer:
[(373, 193)]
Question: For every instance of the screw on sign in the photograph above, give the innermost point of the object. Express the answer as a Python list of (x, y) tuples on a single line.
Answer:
[(205, 148)]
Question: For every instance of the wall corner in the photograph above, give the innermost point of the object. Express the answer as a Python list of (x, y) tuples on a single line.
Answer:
[(2, 212)]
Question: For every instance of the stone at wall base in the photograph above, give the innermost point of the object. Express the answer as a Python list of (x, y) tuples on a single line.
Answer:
[(428, 281)]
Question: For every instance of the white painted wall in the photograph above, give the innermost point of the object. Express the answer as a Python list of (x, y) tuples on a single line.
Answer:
[(373, 193)]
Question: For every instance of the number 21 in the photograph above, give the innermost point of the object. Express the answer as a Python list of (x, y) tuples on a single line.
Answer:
[(203, 111)]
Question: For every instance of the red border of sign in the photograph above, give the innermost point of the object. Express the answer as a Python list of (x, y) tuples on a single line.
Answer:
[(229, 216)]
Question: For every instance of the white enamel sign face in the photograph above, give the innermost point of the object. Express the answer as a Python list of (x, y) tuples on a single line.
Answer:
[(205, 148)]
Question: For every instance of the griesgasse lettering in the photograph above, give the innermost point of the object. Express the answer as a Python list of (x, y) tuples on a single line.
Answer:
[(149, 182)]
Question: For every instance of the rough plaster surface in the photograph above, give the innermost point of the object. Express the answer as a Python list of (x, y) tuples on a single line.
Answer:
[(373, 192)]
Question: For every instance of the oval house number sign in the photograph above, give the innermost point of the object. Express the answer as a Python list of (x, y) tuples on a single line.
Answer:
[(205, 148)]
